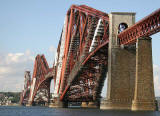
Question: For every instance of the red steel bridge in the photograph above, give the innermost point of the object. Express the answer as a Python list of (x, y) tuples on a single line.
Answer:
[(37, 90), (83, 56)]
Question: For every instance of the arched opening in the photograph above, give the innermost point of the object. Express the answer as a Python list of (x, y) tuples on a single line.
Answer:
[(122, 27)]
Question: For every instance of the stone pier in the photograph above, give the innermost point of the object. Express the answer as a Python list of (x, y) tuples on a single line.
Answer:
[(93, 105), (121, 79), (121, 65), (29, 103), (56, 103), (84, 105), (144, 98), (130, 78)]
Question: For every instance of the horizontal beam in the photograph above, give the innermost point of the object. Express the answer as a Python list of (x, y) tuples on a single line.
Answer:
[(91, 11)]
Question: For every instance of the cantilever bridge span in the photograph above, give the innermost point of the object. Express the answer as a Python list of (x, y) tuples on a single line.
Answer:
[(94, 45), (37, 90)]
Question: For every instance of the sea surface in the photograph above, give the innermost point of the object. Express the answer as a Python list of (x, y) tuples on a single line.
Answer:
[(45, 111)]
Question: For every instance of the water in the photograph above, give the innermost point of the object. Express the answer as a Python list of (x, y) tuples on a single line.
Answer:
[(45, 111)]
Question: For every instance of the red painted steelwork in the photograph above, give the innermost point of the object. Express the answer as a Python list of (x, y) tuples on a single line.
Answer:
[(91, 11), (84, 13), (77, 56), (145, 27), (42, 75), (92, 53), (85, 58), (79, 22)]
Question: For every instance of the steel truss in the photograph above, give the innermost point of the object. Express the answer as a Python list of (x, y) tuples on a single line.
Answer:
[(145, 27)]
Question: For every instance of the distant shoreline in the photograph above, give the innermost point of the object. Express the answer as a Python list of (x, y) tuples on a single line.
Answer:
[(14, 104)]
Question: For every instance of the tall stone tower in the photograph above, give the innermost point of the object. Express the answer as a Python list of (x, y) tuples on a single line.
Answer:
[(144, 97), (130, 70), (121, 65)]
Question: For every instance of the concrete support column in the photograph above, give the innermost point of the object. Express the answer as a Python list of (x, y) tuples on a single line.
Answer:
[(29, 103), (56, 103), (84, 105), (46, 104), (93, 105), (144, 98), (121, 65), (121, 78)]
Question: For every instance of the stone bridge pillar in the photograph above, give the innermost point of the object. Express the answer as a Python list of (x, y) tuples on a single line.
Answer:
[(144, 98), (56, 103), (121, 65), (84, 105), (93, 105)]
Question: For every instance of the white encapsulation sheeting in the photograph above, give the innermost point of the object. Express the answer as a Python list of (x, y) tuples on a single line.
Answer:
[(61, 54), (94, 41), (32, 89)]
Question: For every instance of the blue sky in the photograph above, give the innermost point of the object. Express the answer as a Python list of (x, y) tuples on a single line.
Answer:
[(31, 27)]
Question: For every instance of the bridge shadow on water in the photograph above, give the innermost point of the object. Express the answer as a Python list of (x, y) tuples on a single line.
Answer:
[(45, 111)]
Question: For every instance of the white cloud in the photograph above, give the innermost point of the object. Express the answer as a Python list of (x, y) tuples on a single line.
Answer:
[(52, 49), (12, 67), (4, 70)]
